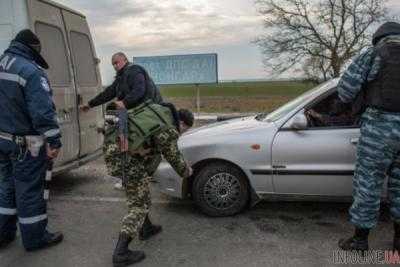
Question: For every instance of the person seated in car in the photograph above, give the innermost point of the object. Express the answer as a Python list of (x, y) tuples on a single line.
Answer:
[(336, 117)]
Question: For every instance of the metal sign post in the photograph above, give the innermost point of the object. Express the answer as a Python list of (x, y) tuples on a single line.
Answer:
[(197, 98)]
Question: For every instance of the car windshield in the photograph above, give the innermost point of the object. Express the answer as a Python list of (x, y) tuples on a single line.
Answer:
[(293, 104)]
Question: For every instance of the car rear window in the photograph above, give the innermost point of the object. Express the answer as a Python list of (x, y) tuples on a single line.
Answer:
[(55, 53), (84, 60)]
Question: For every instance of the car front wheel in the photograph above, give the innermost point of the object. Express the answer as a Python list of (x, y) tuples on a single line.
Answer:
[(220, 189)]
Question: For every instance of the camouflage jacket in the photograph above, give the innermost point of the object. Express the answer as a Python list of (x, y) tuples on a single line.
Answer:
[(364, 68)]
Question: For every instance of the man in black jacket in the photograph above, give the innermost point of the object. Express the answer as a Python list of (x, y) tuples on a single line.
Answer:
[(132, 86)]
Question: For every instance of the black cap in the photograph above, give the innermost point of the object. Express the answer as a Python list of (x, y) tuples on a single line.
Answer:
[(28, 38), (388, 28)]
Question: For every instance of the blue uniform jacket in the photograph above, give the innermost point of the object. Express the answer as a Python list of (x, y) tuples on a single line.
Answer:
[(26, 106)]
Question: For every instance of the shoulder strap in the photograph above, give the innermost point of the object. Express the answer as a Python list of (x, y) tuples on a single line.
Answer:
[(174, 112)]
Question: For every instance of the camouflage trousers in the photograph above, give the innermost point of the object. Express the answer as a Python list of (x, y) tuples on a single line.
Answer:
[(377, 152), (138, 171)]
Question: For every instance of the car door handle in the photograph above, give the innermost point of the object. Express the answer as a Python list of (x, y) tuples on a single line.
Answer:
[(79, 99), (354, 141)]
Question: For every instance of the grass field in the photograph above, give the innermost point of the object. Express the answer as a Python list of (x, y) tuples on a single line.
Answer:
[(235, 96)]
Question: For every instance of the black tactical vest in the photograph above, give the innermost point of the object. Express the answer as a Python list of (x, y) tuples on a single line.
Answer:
[(384, 92), (152, 91)]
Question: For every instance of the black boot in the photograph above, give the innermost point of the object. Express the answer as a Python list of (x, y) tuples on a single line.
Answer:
[(148, 229), (396, 238), (122, 255), (357, 242), (49, 240), (6, 240)]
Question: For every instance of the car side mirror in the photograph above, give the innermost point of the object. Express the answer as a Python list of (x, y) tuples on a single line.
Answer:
[(297, 122)]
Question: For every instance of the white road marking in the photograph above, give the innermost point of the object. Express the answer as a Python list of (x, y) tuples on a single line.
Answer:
[(113, 200), (92, 199)]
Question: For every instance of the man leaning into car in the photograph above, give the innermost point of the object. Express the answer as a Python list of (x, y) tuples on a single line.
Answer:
[(375, 73)]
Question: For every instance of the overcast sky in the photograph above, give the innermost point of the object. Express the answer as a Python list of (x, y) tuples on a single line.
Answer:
[(167, 27)]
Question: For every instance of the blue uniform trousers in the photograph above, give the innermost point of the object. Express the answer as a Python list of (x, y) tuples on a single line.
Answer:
[(21, 194), (377, 152)]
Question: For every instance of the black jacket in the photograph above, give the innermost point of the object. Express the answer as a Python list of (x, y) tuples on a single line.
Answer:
[(132, 85)]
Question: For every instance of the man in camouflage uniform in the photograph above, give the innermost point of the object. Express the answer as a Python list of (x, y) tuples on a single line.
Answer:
[(375, 77), (131, 87), (142, 164)]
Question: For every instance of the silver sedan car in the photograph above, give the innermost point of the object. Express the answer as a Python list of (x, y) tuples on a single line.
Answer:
[(286, 154)]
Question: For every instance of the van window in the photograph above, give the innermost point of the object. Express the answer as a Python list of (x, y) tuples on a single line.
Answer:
[(84, 59), (55, 53)]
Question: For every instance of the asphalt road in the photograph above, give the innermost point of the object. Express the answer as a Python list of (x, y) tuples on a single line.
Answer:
[(88, 210)]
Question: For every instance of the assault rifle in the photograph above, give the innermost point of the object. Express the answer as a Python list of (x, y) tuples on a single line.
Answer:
[(123, 140), (119, 118)]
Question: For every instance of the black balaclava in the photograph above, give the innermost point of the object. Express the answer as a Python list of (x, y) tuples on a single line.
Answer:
[(29, 39)]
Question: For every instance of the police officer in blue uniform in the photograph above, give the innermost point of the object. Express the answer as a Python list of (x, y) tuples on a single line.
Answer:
[(373, 79), (29, 138)]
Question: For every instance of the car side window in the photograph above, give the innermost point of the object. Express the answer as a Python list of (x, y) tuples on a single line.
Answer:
[(325, 113)]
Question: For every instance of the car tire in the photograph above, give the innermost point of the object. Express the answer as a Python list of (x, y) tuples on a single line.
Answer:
[(220, 189)]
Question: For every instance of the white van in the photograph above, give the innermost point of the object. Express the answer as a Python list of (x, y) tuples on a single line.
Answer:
[(74, 74)]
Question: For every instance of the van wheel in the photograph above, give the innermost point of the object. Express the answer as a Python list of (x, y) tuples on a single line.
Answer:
[(220, 189)]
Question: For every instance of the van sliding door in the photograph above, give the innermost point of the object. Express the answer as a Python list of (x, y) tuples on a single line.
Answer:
[(87, 80)]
